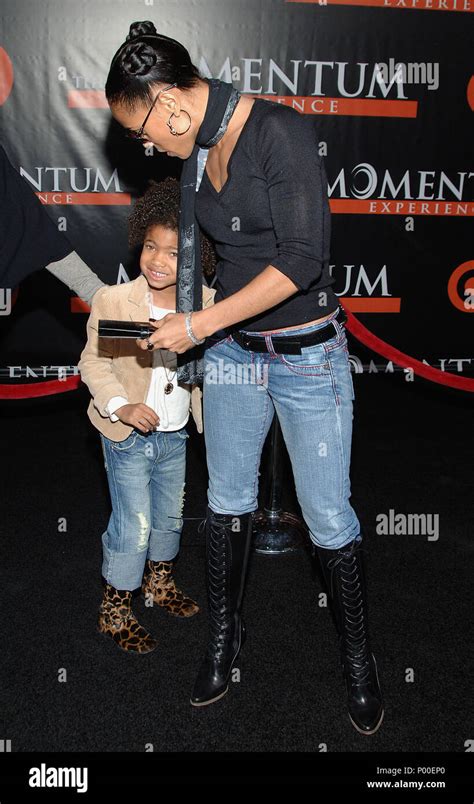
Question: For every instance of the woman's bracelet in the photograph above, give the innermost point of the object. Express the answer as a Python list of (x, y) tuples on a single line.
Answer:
[(190, 332)]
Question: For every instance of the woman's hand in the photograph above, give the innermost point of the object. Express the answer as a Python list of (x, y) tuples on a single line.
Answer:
[(170, 333)]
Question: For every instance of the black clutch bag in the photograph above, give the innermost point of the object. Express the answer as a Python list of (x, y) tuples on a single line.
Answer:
[(124, 329)]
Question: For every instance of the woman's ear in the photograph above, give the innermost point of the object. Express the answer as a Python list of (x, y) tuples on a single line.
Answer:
[(168, 104)]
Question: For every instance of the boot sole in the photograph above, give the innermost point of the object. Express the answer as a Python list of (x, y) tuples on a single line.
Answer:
[(172, 613), (210, 700), (218, 697), (125, 650), (372, 731), (179, 616), (368, 733)]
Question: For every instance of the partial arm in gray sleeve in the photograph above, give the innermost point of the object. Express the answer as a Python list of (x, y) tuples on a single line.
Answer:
[(76, 275)]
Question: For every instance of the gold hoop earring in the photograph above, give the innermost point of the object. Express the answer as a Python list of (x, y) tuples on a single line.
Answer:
[(172, 128)]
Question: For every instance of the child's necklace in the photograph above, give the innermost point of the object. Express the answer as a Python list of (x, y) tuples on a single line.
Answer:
[(169, 385)]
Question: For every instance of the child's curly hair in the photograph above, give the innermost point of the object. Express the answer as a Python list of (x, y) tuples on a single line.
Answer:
[(159, 206)]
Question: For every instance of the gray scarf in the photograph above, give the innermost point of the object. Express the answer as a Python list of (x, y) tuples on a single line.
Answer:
[(220, 107)]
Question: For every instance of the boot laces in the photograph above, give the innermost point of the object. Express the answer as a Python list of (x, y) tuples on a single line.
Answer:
[(355, 636), (220, 626)]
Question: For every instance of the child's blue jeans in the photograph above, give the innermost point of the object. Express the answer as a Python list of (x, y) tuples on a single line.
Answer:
[(146, 476)]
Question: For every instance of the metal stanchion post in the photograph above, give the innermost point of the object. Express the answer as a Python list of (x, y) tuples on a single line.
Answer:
[(276, 531)]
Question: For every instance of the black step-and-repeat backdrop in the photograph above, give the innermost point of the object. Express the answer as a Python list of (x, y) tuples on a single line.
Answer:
[(390, 87)]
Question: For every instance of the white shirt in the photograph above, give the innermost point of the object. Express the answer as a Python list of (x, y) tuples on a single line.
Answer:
[(173, 408)]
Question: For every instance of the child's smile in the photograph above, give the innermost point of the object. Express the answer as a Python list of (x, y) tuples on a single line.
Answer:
[(156, 274), (158, 262)]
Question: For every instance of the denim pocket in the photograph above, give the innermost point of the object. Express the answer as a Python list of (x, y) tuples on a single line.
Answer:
[(338, 356), (128, 443), (183, 433), (104, 452), (346, 353), (312, 362)]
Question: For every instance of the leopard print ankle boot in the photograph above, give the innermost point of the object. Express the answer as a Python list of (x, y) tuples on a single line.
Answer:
[(158, 584), (116, 619)]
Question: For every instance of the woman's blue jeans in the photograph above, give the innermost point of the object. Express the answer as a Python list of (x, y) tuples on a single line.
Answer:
[(312, 394), (146, 476)]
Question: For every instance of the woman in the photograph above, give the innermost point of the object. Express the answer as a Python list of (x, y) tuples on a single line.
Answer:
[(263, 200)]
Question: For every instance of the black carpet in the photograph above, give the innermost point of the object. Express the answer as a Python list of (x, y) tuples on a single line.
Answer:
[(412, 452)]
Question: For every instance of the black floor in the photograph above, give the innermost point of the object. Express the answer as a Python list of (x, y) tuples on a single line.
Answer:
[(412, 452)]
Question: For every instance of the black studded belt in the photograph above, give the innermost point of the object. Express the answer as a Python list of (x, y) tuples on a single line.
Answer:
[(289, 344)]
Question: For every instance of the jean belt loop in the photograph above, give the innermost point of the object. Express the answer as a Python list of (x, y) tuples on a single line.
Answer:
[(269, 343), (337, 326)]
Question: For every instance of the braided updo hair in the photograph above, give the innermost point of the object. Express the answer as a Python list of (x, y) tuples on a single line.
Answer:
[(159, 206), (145, 58)]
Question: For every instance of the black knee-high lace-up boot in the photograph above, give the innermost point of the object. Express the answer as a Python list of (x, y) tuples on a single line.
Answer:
[(344, 576), (228, 539)]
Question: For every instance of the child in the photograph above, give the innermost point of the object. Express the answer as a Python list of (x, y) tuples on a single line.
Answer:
[(141, 412)]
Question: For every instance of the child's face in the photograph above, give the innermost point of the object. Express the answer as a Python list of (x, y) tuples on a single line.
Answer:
[(159, 257)]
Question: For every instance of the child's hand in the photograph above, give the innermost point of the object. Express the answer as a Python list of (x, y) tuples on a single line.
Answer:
[(139, 415)]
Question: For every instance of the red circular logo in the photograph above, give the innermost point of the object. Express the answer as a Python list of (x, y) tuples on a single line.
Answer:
[(470, 93), (462, 302), (6, 76)]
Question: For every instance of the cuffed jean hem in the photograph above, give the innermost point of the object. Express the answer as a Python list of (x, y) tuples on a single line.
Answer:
[(163, 545), (123, 570)]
